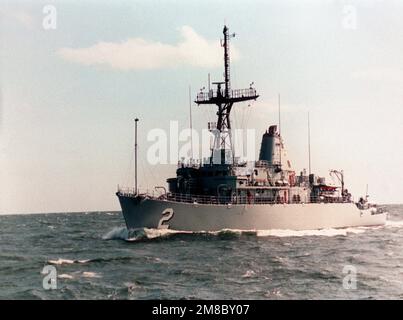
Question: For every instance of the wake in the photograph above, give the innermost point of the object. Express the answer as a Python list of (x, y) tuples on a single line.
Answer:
[(143, 234)]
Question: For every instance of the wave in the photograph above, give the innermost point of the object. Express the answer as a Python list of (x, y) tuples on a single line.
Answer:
[(88, 274), (149, 234), (62, 261), (117, 233), (65, 276), (121, 233), (394, 224), (145, 234), (249, 274), (331, 232), (85, 274)]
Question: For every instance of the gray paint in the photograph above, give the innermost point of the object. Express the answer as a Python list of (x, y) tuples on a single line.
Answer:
[(146, 212)]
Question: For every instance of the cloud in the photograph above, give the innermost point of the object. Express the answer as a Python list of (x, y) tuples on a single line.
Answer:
[(141, 54)]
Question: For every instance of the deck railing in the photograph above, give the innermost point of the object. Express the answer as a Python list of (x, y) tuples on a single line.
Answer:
[(236, 94), (223, 200)]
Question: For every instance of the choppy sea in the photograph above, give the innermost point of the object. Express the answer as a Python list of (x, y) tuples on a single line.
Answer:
[(93, 257)]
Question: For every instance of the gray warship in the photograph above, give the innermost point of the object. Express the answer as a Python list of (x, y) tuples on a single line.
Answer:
[(225, 193)]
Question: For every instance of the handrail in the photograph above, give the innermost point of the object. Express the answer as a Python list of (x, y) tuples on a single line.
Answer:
[(237, 93), (225, 200)]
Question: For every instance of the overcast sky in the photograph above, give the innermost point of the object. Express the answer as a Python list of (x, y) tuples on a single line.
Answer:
[(70, 89)]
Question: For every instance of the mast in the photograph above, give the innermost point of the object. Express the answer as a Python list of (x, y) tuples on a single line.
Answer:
[(279, 128), (135, 155), (224, 99), (366, 193), (279, 116), (309, 144), (190, 121), (226, 61)]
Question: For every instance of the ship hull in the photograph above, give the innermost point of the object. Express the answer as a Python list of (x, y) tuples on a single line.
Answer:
[(143, 212)]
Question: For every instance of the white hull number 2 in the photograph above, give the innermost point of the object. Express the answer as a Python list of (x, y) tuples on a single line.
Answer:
[(167, 215)]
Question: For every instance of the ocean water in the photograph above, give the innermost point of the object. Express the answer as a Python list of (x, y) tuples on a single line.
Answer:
[(96, 258)]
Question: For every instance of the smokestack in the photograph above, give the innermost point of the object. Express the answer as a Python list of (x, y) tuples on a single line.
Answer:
[(271, 146)]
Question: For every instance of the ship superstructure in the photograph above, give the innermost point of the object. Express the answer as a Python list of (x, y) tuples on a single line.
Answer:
[(268, 180)]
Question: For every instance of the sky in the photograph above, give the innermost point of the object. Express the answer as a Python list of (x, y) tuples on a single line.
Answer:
[(74, 75)]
